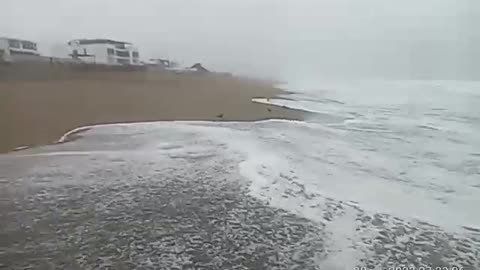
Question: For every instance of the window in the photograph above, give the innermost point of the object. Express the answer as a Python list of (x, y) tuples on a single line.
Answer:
[(135, 54), (27, 45), (123, 61), (122, 54), (120, 46), (110, 51), (14, 43)]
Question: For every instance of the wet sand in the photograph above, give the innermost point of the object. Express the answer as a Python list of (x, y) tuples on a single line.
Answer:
[(40, 112), (160, 217)]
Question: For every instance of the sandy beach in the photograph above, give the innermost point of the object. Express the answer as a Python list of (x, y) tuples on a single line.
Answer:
[(37, 112), (220, 195), (102, 224)]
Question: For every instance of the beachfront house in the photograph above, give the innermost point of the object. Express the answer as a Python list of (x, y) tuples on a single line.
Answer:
[(12, 50), (104, 51), (159, 63)]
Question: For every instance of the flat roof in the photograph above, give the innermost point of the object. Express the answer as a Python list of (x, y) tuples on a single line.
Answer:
[(98, 41), (17, 39)]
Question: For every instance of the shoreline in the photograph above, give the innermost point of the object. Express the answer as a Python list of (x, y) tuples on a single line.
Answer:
[(76, 133), (36, 113)]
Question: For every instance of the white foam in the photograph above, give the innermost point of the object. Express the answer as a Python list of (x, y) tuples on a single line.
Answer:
[(73, 131), (61, 153), (334, 163), (20, 148), (292, 104), (319, 158), (342, 246), (301, 167)]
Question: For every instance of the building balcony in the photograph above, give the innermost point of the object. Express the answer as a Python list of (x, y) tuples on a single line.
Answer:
[(121, 49), (23, 51), (122, 57)]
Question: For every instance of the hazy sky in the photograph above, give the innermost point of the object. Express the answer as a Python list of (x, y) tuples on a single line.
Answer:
[(273, 38)]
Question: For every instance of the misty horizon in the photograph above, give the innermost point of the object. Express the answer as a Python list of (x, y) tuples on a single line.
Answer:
[(408, 40)]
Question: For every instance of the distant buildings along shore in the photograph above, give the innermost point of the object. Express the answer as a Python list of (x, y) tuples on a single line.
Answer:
[(90, 51), (97, 51), (12, 49), (104, 51)]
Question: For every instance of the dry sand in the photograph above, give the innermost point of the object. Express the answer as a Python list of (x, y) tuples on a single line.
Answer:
[(40, 112)]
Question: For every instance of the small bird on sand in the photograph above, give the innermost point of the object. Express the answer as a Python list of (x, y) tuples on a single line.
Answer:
[(220, 115)]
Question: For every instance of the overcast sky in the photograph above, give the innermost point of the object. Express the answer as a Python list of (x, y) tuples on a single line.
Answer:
[(271, 38)]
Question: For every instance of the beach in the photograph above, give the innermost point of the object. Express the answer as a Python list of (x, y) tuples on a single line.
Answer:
[(38, 112), (185, 221), (239, 135), (352, 185)]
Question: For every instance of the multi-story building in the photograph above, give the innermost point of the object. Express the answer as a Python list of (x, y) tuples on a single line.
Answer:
[(12, 49), (104, 51)]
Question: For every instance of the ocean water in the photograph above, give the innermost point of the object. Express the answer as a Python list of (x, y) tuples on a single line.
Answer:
[(381, 174), (409, 148)]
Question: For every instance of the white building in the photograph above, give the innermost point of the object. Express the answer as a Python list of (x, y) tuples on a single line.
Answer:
[(104, 51), (18, 50)]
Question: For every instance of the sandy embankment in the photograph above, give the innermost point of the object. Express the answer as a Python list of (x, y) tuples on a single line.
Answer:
[(40, 112)]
